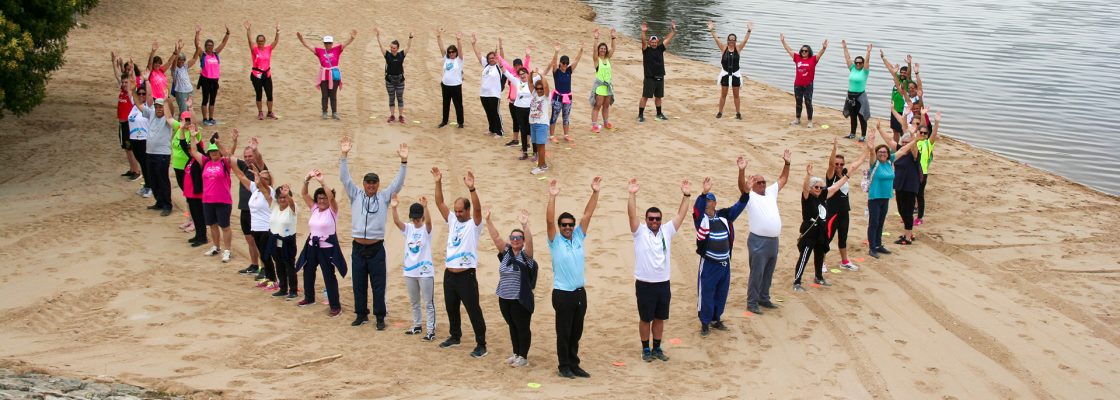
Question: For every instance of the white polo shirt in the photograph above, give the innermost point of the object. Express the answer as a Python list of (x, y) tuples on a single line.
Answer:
[(763, 213), (652, 252)]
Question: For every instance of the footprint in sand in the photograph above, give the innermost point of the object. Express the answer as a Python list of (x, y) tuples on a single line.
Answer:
[(900, 356), (870, 290)]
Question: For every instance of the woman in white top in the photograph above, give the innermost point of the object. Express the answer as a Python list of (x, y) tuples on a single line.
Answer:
[(419, 272), (452, 82), (524, 96), (539, 119), (281, 243), (259, 214), (490, 88)]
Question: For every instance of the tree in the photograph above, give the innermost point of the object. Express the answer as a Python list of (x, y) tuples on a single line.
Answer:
[(32, 42)]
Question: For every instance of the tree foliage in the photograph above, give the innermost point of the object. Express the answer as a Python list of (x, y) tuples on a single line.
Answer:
[(32, 43)]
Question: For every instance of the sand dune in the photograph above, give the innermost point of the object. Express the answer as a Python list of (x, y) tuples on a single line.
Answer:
[(1009, 292)]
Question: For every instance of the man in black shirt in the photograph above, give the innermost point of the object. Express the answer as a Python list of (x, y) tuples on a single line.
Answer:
[(653, 62)]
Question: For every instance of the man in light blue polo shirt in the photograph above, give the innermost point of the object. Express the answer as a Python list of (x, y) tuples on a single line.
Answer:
[(569, 299)]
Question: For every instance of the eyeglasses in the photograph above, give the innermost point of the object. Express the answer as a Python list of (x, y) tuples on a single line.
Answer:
[(516, 237), (760, 183), (924, 132), (840, 164), (859, 62), (567, 224), (653, 219), (452, 52), (818, 187), (804, 50), (142, 93)]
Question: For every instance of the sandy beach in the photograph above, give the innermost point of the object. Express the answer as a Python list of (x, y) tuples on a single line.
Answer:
[(1010, 290)]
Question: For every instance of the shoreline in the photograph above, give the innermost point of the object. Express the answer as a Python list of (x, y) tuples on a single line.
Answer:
[(1013, 277)]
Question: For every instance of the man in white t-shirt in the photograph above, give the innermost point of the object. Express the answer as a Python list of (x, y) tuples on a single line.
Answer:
[(460, 285), (765, 228), (652, 245)]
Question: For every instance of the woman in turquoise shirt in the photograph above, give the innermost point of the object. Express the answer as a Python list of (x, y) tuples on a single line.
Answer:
[(856, 107), (879, 192)]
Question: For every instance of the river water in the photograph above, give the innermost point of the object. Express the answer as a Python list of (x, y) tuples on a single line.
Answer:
[(1033, 80)]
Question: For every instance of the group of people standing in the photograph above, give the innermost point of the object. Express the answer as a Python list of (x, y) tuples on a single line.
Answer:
[(207, 167)]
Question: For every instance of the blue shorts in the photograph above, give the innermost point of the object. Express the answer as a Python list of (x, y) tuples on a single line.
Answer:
[(539, 133)]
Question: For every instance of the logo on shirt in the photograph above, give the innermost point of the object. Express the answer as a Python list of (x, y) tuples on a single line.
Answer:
[(457, 238), (414, 244)]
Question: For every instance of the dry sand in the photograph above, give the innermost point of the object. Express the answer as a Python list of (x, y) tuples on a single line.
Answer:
[(1010, 291)]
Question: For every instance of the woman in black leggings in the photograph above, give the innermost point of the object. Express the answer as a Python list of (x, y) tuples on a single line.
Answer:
[(907, 178), (261, 73), (211, 71), (856, 107), (452, 82)]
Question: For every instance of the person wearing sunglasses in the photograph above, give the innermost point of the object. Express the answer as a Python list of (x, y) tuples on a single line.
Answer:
[(460, 283), (321, 249), (259, 211), (517, 277), (805, 63), (451, 85), (562, 69), (489, 88), (522, 85), (715, 236), (925, 156), (838, 206), (217, 198), (281, 242), (368, 215), (521, 137), (653, 70), (419, 272), (652, 254), (538, 120), (569, 298), (814, 231), (730, 75), (765, 229), (856, 107), (261, 73)]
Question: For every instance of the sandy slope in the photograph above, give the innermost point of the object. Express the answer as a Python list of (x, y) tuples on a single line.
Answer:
[(1010, 291)]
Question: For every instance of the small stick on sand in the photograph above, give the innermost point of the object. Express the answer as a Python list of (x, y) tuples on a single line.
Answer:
[(302, 363)]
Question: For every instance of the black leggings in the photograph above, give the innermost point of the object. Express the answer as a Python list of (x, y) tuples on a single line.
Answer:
[(804, 94), (194, 206), (490, 105), (518, 319), (452, 94), (140, 151), (855, 114), (905, 202), (262, 84), (521, 125), (922, 197), (818, 253), (261, 240), (330, 94), (209, 90)]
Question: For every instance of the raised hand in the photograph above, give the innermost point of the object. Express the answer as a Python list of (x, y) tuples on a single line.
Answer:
[(299, 35), (673, 25), (197, 28), (741, 162), (881, 53), (393, 202), (253, 143), (644, 27), (486, 213), (523, 217), (835, 141), (614, 34), (909, 59), (459, 36), (844, 42), (686, 187), (782, 37), (825, 44), (809, 169), (632, 185), (227, 29), (712, 25), (439, 33), (353, 34), (233, 134), (553, 187), (423, 201), (248, 26), (937, 117), (786, 156), (596, 34), (437, 174), (345, 144), (277, 27), (155, 46), (469, 179), (707, 185), (595, 182), (403, 152), (319, 176), (377, 31), (474, 38), (750, 26), (310, 175), (869, 46)]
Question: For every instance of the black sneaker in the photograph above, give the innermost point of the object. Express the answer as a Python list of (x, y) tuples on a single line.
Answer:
[(704, 330), (429, 337), (662, 117), (822, 282), (479, 352), (360, 320), (719, 326), (380, 324), (647, 355), (165, 212), (200, 243), (127, 173), (873, 253), (512, 143), (883, 250), (767, 304), (738, 116), (660, 355), (413, 331), (577, 371), (567, 373), (292, 295), (280, 293), (260, 275), (641, 118), (450, 342), (441, 124), (251, 269), (754, 309), (155, 207)]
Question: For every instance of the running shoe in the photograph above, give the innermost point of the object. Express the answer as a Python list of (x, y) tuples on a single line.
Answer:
[(392, 119), (441, 125), (719, 115), (738, 116), (705, 330), (325, 115), (607, 125), (271, 116), (213, 251), (147, 193), (641, 118), (511, 359), (520, 362), (251, 269), (513, 143), (260, 115), (822, 282), (579, 372), (334, 312), (479, 352), (719, 326), (360, 320), (293, 294), (450, 342), (662, 117), (647, 355), (767, 304), (413, 331), (795, 122), (335, 116), (809, 125), (902, 240), (595, 128), (280, 293), (165, 212), (524, 156), (304, 302), (851, 136), (660, 355), (883, 250), (537, 171), (797, 288), (429, 337), (553, 139), (917, 221), (400, 118), (225, 256), (754, 309), (849, 266), (127, 173), (134, 177)]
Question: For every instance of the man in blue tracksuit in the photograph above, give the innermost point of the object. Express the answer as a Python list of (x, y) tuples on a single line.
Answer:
[(715, 234)]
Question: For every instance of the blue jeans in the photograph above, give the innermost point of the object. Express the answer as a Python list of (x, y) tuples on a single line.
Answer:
[(369, 270), (877, 216)]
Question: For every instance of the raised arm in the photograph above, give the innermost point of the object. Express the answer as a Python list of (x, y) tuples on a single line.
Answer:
[(276, 38), (398, 181), (594, 57), (824, 46), (672, 33), (265, 192), (474, 46), (352, 189), (152, 54), (936, 123), (174, 56), (805, 184), (458, 44), (408, 44), (645, 39), (589, 209), (439, 193), (831, 162), (747, 37), (248, 33), (225, 39), (307, 197), (304, 43), (393, 210), (610, 54), (191, 149), (555, 58), (327, 190), (576, 60), (427, 216), (867, 57), (523, 218), (353, 35), (377, 36), (501, 50), (550, 209), (495, 236), (240, 175), (632, 205), (744, 186), (439, 42), (789, 50), (785, 170), (917, 74), (712, 31), (476, 206), (887, 139), (686, 192), (847, 56)]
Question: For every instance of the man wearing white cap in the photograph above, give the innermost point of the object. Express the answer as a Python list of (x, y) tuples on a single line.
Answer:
[(653, 62), (158, 149)]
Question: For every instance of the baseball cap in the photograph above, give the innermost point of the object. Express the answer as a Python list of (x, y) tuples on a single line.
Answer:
[(158, 102), (652, 37), (415, 211), (371, 177), (710, 196), (185, 115), (212, 147), (328, 39)]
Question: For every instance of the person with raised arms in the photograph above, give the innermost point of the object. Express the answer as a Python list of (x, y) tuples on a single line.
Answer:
[(281, 244), (569, 299), (260, 210), (489, 88), (394, 74), (715, 238), (730, 74), (562, 91), (451, 84), (857, 107), (602, 91), (321, 249), (765, 229), (217, 198), (330, 78), (419, 272), (652, 256), (516, 112), (460, 283), (653, 70), (838, 206), (261, 74), (210, 74), (814, 231), (368, 214), (805, 63), (517, 277)]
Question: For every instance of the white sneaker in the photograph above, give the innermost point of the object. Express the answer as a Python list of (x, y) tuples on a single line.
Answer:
[(147, 193), (519, 362), (849, 266), (225, 256), (824, 269), (796, 122), (140, 191), (511, 359), (213, 250), (536, 170), (810, 125)]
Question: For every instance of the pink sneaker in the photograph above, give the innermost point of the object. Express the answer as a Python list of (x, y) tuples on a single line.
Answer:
[(260, 115), (918, 221), (391, 119), (400, 118), (610, 125), (595, 128)]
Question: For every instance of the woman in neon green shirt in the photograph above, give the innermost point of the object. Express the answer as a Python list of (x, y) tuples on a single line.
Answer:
[(602, 94), (856, 107), (925, 155)]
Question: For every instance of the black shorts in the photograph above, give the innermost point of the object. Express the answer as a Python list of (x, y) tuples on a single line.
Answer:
[(732, 79), (217, 213), (838, 228), (246, 222), (895, 125), (653, 300), (125, 144), (653, 87)]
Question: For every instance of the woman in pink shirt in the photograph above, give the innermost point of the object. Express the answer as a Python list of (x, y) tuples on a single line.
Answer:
[(329, 76), (192, 191), (211, 72), (321, 248), (806, 63), (261, 75), (217, 200)]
